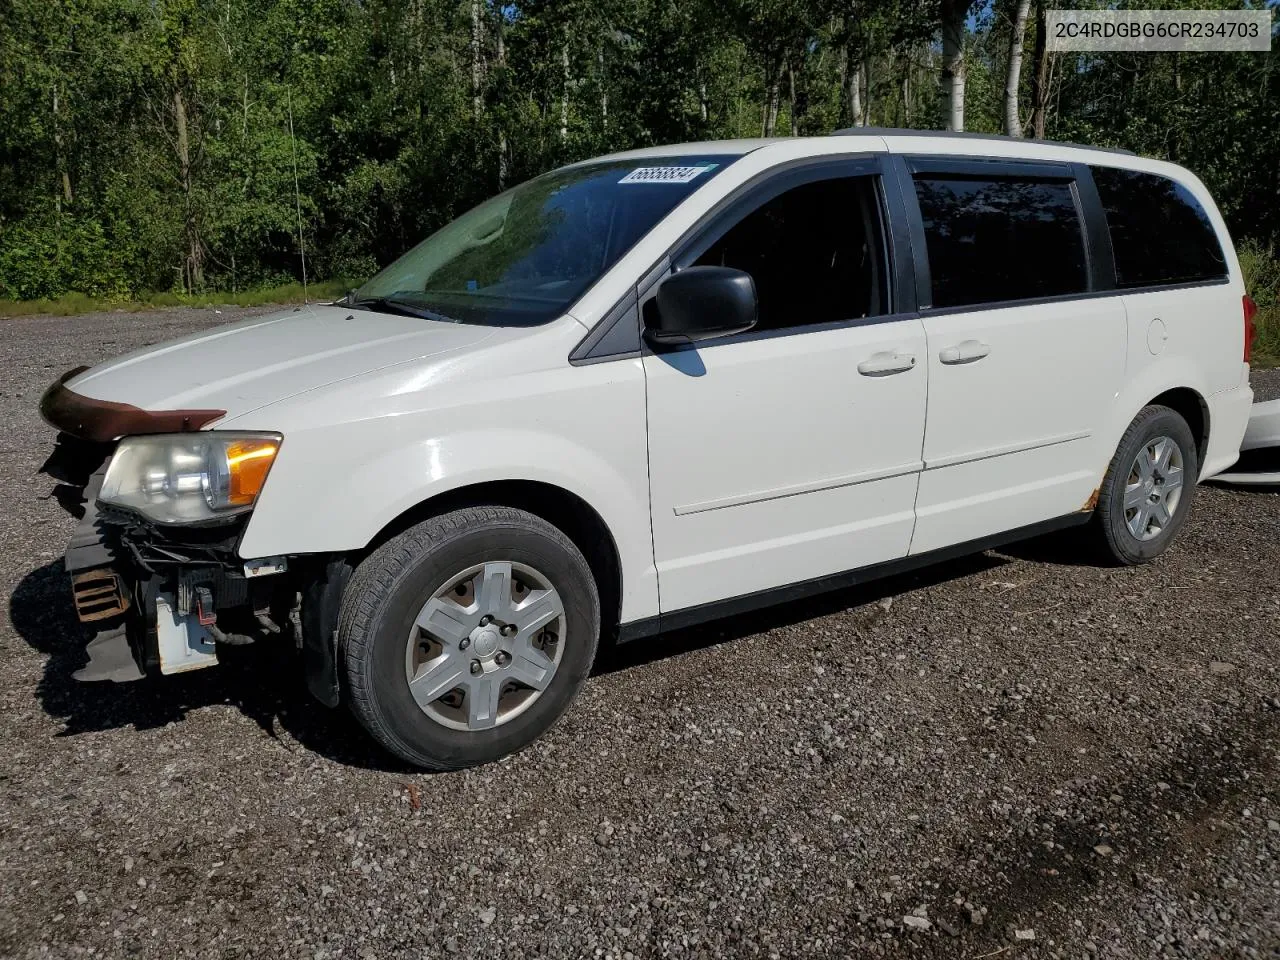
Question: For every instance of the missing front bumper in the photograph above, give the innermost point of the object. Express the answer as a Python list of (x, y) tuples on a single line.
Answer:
[(158, 600), (173, 642), (134, 595)]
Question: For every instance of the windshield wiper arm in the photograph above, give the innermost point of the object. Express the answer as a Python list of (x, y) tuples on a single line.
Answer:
[(394, 304)]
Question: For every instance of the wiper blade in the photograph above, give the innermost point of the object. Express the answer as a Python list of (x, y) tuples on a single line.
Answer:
[(400, 305)]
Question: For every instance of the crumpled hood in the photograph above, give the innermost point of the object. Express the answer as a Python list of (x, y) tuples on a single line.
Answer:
[(243, 366)]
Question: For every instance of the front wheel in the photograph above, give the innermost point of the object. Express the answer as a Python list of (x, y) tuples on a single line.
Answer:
[(1147, 492), (466, 636)]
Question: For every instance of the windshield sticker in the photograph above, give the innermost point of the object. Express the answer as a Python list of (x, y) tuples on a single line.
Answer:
[(666, 174)]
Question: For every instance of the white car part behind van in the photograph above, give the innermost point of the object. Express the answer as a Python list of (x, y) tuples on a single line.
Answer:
[(1260, 450)]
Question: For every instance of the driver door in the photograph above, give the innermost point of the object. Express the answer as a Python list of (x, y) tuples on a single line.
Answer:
[(792, 451)]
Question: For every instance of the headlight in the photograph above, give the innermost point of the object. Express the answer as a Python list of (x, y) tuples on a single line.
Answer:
[(189, 477)]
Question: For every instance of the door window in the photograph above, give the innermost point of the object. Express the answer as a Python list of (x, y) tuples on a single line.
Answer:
[(999, 238), (815, 253), (1159, 232)]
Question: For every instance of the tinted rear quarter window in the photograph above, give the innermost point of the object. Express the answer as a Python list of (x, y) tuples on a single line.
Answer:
[(1001, 238), (1159, 232)]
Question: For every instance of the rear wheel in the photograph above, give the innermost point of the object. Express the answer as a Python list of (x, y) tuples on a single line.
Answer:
[(466, 637), (1147, 492)]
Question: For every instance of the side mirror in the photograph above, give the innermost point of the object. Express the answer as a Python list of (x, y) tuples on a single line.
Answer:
[(700, 303)]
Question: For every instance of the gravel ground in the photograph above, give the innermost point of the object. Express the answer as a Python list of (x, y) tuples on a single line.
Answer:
[(1017, 754)]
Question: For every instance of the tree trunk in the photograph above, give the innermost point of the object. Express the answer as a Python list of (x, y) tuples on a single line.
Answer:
[(419, 31), (764, 113), (193, 266), (564, 94), (791, 96), (604, 91), (773, 94), (906, 92), (1040, 80), (502, 133), (60, 159), (477, 103), (953, 66), (843, 85), (1012, 122), (702, 101), (854, 81), (297, 195), (864, 78)]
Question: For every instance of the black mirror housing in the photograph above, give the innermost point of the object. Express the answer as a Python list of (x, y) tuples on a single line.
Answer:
[(701, 303)]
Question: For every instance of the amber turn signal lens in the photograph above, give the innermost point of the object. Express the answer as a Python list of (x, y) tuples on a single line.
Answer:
[(247, 464)]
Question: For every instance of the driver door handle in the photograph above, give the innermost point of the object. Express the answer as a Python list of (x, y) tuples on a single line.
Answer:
[(966, 351), (885, 363)]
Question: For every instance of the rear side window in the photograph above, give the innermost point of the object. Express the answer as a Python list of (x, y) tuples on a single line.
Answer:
[(1159, 232), (1001, 239)]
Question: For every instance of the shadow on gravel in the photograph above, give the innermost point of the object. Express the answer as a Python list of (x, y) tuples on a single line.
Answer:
[(614, 657), (1073, 547), (1253, 489), (264, 682), (1158, 820)]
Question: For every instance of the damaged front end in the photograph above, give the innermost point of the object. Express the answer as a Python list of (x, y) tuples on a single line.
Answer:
[(161, 597)]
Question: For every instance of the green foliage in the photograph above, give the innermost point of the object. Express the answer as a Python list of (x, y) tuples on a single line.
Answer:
[(180, 145), (44, 258), (1261, 270), (69, 304)]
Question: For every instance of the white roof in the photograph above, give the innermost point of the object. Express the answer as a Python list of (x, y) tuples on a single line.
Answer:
[(882, 140), (733, 148)]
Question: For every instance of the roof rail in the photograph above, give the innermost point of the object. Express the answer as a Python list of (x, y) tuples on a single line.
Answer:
[(966, 135)]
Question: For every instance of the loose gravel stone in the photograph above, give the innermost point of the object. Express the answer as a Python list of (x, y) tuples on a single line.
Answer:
[(976, 730)]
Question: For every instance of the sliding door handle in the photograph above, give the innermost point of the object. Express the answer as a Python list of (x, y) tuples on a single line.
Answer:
[(966, 351), (885, 363)]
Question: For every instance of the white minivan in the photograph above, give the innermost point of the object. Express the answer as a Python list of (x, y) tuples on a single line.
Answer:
[(650, 389)]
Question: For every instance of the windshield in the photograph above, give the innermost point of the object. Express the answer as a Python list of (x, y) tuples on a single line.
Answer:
[(526, 255)]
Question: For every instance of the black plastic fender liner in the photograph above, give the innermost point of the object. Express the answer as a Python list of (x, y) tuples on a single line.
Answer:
[(89, 547), (111, 657), (320, 603)]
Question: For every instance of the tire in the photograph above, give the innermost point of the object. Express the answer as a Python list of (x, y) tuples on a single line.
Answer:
[(388, 598), (1152, 428)]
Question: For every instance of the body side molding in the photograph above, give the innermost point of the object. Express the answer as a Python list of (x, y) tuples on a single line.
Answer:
[(691, 616)]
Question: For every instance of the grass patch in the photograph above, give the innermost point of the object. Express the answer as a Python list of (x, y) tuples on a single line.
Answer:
[(1262, 280), (71, 304)]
